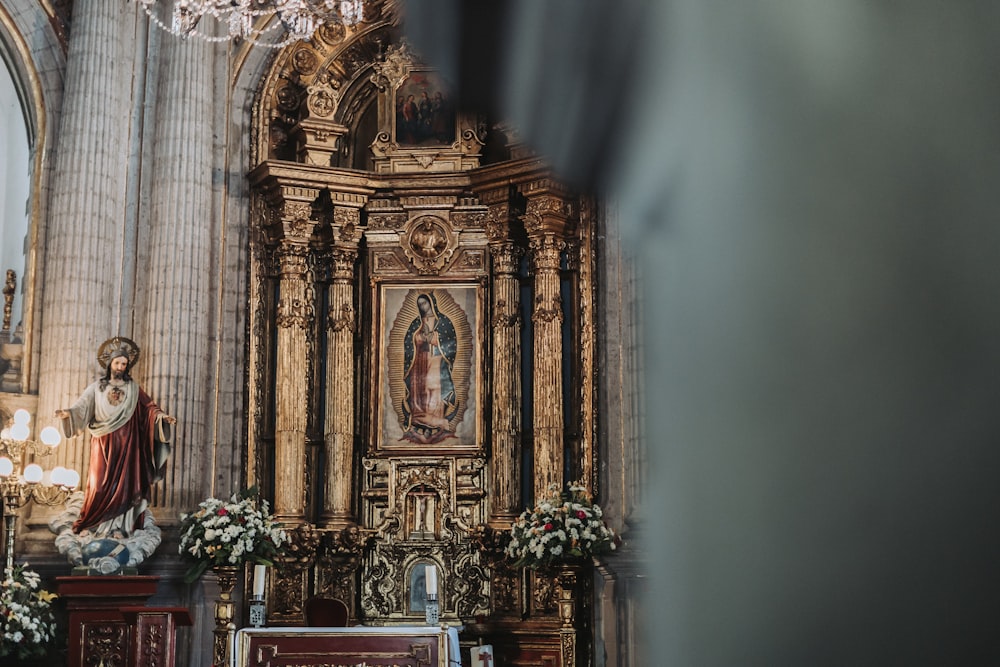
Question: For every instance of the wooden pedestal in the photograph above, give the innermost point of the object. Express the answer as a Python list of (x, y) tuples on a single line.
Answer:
[(109, 622)]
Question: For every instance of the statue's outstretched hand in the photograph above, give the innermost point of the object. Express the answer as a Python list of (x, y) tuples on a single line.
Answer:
[(169, 419), (62, 414)]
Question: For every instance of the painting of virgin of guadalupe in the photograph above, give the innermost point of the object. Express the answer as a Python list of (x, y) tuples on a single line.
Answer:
[(429, 366)]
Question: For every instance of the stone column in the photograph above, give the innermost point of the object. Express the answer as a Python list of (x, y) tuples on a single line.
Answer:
[(291, 384), (84, 230), (338, 428), (505, 465), (546, 221), (176, 287)]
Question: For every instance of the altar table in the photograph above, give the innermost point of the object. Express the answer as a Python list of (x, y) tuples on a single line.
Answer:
[(361, 646)]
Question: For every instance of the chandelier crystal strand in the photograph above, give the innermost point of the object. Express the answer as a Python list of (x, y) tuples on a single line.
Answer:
[(298, 18)]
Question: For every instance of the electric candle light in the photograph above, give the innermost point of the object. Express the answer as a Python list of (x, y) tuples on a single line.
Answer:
[(33, 473), (430, 574), (259, 573)]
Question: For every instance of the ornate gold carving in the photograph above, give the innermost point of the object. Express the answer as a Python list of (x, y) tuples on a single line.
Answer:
[(425, 160), (471, 260), (291, 573), (469, 587), (294, 313), (106, 643), (153, 645), (504, 317), (568, 642), (293, 259), (304, 61), (382, 145), (289, 97), (543, 594), (343, 261), (553, 313), (547, 213), (338, 558), (345, 321), (331, 33), (387, 261), (506, 258), (347, 219), (427, 201), (386, 220), (323, 95), (547, 252), (429, 242), (9, 288), (394, 67), (471, 143)]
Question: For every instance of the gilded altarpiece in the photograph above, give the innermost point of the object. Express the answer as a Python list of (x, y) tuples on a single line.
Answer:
[(407, 302)]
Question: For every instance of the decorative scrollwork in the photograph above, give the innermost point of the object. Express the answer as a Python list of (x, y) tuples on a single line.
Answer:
[(345, 321), (504, 318), (294, 313)]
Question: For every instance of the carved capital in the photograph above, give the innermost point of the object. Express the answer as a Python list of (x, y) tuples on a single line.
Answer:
[(547, 252), (342, 262), (547, 213), (506, 258), (292, 259)]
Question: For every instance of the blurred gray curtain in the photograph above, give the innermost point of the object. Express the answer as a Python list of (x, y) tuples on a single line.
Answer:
[(813, 190)]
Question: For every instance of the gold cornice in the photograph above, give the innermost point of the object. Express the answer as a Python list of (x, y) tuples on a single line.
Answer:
[(493, 182)]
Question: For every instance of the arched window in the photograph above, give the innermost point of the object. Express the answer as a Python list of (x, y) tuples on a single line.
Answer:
[(15, 170)]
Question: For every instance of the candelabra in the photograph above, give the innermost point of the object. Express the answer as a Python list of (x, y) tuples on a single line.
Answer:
[(22, 482)]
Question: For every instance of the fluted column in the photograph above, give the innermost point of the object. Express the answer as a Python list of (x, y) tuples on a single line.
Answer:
[(338, 427), (505, 465), (546, 221), (84, 229), (176, 287), (294, 321)]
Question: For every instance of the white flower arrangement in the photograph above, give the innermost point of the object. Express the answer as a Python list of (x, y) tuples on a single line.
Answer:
[(26, 620), (230, 533), (563, 526)]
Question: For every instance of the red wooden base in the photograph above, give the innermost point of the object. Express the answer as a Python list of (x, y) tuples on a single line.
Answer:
[(109, 622)]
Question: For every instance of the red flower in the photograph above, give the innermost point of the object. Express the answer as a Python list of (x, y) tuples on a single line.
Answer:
[(548, 526), (580, 514), (222, 511)]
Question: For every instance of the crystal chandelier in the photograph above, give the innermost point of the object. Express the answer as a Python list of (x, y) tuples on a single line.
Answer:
[(251, 20)]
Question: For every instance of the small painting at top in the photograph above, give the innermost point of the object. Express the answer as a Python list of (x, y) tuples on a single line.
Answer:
[(425, 111)]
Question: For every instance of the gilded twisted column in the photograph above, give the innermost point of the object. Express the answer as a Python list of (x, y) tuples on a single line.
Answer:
[(338, 428), (175, 289), (84, 229), (291, 386), (546, 221), (505, 465)]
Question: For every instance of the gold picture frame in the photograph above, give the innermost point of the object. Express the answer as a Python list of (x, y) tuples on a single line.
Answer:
[(428, 344)]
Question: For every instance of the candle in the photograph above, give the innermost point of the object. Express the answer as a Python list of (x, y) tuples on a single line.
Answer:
[(430, 572), (259, 572)]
